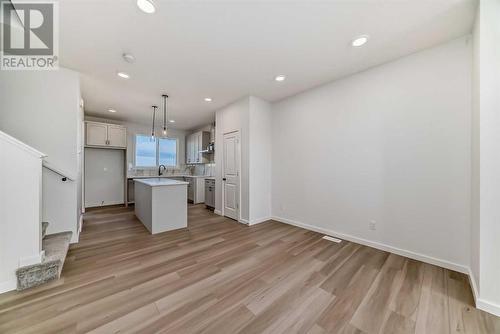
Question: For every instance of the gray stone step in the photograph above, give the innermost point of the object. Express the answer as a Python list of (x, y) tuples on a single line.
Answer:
[(44, 228), (56, 247)]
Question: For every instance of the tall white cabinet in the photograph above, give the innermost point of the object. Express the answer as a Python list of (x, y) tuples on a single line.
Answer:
[(105, 164)]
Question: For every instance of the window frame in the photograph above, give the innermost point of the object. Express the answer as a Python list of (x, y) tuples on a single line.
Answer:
[(157, 151)]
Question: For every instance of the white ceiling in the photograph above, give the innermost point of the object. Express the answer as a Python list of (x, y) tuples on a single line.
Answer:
[(229, 49)]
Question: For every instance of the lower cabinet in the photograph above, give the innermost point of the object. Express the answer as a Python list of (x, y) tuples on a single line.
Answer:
[(196, 189), (210, 193)]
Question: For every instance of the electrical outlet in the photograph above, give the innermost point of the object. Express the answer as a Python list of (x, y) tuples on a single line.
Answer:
[(372, 225)]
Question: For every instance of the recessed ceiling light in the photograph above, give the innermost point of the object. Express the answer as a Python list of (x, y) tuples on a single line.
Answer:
[(147, 6), (172, 121), (360, 40), (280, 78), (112, 110), (208, 99), (128, 57), (123, 75)]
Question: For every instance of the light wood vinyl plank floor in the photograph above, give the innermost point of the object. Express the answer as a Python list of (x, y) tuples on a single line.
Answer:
[(218, 276)]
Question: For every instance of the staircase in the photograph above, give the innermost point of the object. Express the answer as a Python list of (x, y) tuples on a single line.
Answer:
[(55, 247)]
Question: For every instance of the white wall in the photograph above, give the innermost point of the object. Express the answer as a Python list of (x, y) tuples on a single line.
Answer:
[(475, 156), (104, 177), (260, 160), (233, 117), (250, 116), (391, 144), (20, 209), (41, 108), (487, 90)]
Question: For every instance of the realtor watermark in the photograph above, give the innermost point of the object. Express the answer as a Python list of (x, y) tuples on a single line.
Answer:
[(29, 35)]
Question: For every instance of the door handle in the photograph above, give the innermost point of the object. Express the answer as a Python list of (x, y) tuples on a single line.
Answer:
[(223, 179)]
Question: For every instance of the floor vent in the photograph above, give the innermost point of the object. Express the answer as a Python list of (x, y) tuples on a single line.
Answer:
[(326, 237)]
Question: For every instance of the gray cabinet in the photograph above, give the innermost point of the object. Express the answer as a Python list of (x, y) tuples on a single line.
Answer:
[(191, 188), (210, 193)]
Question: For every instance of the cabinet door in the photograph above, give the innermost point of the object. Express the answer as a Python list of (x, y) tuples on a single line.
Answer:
[(189, 148), (190, 190), (117, 136), (196, 148), (96, 134)]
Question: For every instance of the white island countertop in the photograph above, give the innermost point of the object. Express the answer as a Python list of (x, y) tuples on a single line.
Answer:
[(157, 182)]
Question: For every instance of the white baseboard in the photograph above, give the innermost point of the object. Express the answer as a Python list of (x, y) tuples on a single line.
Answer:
[(488, 307), (474, 286), (80, 224), (387, 248), (244, 221), (218, 212), (8, 286), (259, 220), (482, 304)]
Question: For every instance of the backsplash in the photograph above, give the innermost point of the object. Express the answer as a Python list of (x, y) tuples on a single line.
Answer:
[(153, 171), (205, 169)]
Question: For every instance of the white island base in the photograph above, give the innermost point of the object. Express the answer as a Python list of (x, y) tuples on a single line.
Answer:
[(161, 204)]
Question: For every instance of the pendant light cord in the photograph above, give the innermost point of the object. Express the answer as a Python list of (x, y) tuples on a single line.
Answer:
[(164, 96), (153, 127)]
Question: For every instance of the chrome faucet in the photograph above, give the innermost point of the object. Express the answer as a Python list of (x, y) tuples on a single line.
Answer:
[(160, 172)]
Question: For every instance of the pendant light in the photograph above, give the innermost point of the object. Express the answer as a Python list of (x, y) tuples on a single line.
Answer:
[(165, 97), (153, 127)]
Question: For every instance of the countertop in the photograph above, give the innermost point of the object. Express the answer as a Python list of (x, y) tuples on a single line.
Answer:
[(166, 176), (157, 182)]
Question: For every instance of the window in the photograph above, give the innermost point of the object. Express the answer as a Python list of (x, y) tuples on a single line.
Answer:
[(145, 151), (167, 148), (151, 152)]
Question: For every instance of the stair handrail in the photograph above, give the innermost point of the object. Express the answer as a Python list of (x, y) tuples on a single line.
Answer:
[(64, 175), (21, 145)]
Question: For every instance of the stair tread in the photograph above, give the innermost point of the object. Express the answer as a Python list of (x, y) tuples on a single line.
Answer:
[(56, 246), (44, 228)]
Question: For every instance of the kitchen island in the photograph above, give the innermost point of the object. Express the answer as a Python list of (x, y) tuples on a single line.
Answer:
[(161, 204)]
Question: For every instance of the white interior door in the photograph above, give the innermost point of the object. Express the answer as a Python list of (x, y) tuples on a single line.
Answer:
[(231, 174)]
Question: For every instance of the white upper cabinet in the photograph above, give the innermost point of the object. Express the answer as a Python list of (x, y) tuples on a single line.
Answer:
[(105, 135), (195, 143), (117, 136), (97, 134)]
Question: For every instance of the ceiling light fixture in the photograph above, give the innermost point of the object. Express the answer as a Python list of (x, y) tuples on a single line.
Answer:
[(208, 99), (123, 75), (147, 6), (112, 110), (128, 57), (360, 40), (280, 78), (153, 127), (165, 97)]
